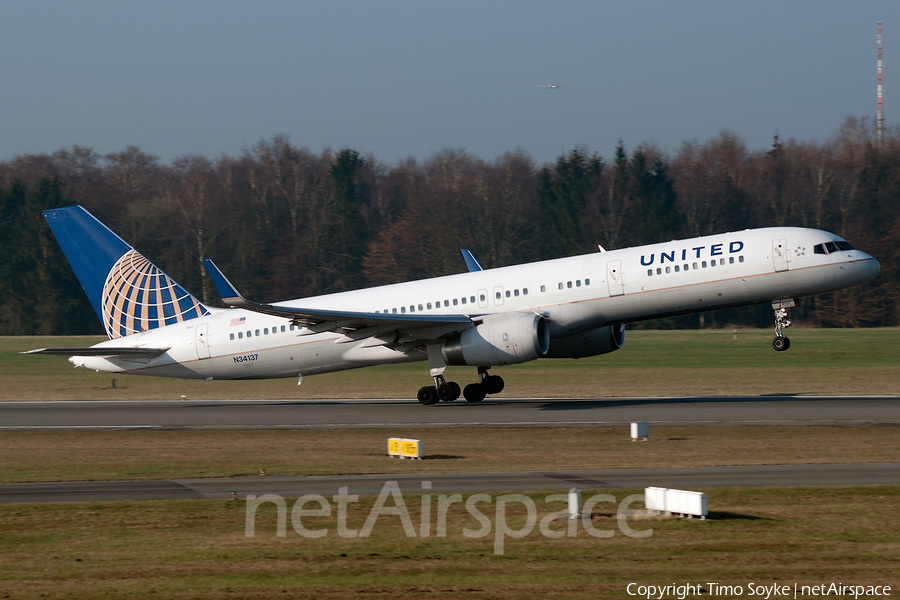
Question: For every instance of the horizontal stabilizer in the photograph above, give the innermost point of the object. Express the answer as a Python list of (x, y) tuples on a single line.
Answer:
[(101, 351)]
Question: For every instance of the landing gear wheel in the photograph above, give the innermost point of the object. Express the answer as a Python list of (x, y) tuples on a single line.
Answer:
[(427, 395), (781, 344), (448, 392), (474, 392), (492, 384)]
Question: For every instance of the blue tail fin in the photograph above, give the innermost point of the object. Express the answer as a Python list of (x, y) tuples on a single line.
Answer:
[(128, 292)]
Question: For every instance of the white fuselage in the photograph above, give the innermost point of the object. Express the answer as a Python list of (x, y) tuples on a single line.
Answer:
[(576, 294)]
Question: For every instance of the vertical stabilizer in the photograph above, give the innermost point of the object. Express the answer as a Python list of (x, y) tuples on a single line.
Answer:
[(128, 292)]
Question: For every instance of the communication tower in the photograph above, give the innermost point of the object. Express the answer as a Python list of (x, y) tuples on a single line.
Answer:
[(879, 119)]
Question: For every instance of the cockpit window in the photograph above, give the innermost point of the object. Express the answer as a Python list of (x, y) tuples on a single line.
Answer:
[(819, 249), (831, 247), (843, 246)]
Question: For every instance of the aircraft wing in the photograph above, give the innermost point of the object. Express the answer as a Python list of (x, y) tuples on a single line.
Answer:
[(320, 320), (101, 351)]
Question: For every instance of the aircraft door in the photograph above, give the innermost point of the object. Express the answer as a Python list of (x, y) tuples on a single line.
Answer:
[(498, 296), (201, 332), (614, 278), (780, 255), (482, 299)]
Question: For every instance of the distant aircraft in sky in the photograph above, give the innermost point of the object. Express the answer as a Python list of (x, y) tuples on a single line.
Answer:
[(564, 308), (549, 86)]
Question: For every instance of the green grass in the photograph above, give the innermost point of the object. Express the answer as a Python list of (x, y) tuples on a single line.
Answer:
[(652, 363), (157, 454), (197, 549)]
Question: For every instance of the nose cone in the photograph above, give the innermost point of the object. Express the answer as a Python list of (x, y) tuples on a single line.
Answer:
[(867, 267)]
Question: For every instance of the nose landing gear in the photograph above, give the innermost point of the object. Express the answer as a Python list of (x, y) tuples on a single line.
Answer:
[(781, 342)]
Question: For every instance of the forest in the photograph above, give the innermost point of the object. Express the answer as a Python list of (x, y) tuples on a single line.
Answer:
[(284, 222)]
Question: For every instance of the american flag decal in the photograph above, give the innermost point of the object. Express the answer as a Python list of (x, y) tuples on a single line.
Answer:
[(238, 321)]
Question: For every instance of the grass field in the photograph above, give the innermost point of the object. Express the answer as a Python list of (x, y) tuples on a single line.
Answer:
[(652, 363), (198, 549), (155, 454)]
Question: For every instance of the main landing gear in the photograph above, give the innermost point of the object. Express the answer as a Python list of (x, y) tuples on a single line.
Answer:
[(781, 342), (448, 391)]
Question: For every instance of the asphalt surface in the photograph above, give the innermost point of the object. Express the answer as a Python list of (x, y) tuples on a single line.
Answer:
[(560, 481), (503, 412)]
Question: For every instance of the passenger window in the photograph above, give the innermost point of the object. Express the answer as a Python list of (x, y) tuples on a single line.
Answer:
[(524, 291), (695, 266), (282, 327), (394, 311), (668, 269), (577, 283), (676, 268), (507, 293), (721, 262), (257, 332), (403, 309), (658, 271), (429, 305), (569, 284), (543, 288), (516, 293), (741, 258), (730, 260), (704, 264), (560, 285), (447, 302), (232, 336), (712, 263), (266, 331), (499, 295), (831, 246), (686, 268), (420, 308), (292, 327), (587, 282), (240, 335), (649, 272)]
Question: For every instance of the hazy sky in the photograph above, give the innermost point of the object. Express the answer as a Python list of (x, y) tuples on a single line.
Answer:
[(411, 78)]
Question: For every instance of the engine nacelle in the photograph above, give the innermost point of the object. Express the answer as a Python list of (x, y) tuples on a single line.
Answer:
[(591, 343), (515, 339)]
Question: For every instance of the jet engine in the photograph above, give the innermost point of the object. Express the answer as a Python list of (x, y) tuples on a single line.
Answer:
[(515, 339), (591, 343)]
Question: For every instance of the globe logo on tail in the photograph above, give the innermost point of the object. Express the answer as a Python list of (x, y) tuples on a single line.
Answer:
[(137, 297)]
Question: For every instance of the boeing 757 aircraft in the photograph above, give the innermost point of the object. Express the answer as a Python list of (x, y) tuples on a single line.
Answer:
[(565, 308)]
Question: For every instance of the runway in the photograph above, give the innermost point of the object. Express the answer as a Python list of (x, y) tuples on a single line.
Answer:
[(557, 481), (502, 412)]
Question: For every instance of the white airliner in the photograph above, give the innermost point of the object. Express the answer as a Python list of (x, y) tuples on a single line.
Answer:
[(565, 308), (549, 86)]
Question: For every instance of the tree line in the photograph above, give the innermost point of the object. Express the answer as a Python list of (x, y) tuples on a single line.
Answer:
[(284, 222)]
